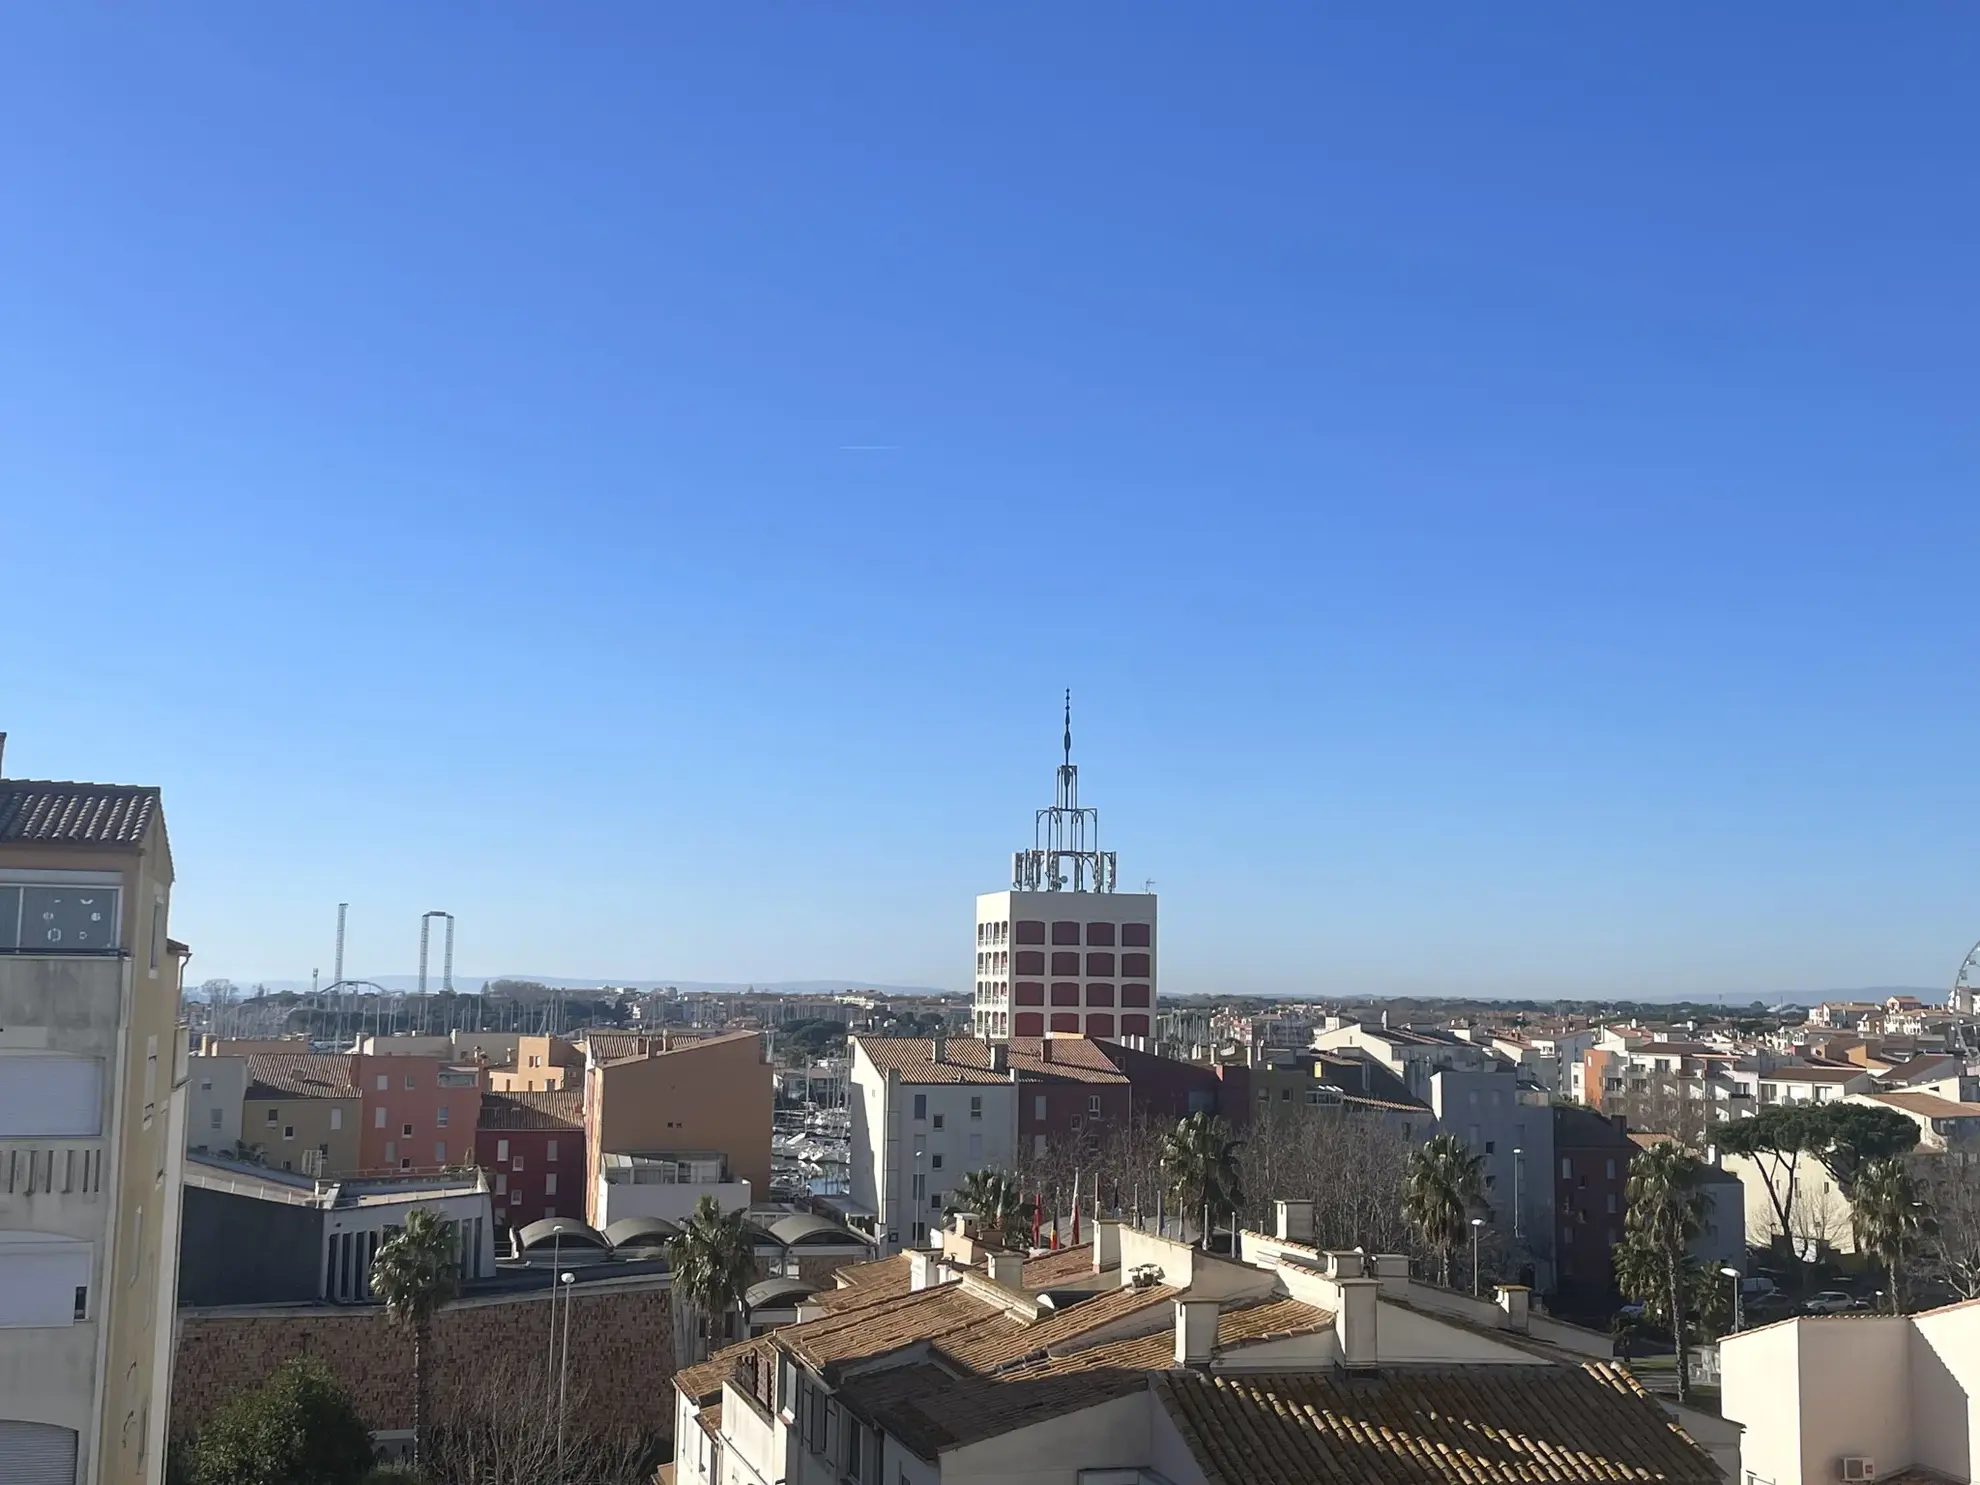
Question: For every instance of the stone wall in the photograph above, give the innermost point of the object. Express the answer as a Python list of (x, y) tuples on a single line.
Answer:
[(621, 1357)]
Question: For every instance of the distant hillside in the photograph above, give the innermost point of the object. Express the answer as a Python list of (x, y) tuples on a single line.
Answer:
[(470, 984)]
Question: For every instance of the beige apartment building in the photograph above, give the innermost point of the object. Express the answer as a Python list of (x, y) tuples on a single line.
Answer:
[(301, 1112), (536, 1064), (92, 1136), (692, 1113)]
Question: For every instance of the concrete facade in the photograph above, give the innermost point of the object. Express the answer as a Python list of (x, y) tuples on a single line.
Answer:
[(216, 1088), (1070, 963), (90, 1208)]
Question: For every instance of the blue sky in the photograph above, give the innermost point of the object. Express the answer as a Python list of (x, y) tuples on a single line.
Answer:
[(1499, 483)]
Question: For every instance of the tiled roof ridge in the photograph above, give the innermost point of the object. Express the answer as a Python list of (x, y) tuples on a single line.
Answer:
[(71, 812)]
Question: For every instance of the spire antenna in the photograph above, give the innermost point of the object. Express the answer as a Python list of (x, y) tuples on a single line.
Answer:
[(1069, 726)]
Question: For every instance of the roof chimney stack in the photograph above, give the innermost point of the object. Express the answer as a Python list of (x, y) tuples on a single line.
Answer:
[(1044, 1049), (3, 755), (1000, 1058), (940, 1047)]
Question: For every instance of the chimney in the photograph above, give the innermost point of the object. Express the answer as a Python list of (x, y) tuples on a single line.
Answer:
[(3, 755), (1513, 1300), (1295, 1220), (1354, 1321), (1044, 1049), (1392, 1272), (1106, 1245), (939, 1048), (1007, 1269), (1000, 1058), (921, 1270), (1196, 1331)]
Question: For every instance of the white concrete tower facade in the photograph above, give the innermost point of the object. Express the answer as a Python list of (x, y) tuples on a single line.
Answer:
[(1061, 951)]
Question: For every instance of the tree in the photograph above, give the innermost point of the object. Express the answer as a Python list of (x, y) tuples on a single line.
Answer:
[(1200, 1167), (416, 1272), (1952, 1249), (1654, 1263), (994, 1198), (482, 1437), (1892, 1222), (1775, 1140), (296, 1428), (1445, 1186), (1850, 1137), (713, 1257)]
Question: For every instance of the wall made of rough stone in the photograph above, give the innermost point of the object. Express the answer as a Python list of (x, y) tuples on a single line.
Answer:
[(621, 1358)]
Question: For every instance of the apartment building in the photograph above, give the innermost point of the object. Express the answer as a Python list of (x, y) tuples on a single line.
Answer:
[(299, 1112), (419, 1113), (687, 1111), (536, 1064), (1412, 1053), (216, 1089), (1140, 1361), (924, 1114), (1509, 1124), (532, 1146), (1858, 1397), (1592, 1154), (92, 1132)]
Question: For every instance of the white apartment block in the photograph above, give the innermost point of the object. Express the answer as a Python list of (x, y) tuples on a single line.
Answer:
[(1856, 1398), (92, 1133), (920, 1123)]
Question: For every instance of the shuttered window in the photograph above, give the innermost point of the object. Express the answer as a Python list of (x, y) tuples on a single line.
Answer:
[(37, 1454), (46, 1096)]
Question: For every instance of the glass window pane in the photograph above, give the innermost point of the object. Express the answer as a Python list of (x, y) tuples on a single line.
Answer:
[(69, 920), (10, 917)]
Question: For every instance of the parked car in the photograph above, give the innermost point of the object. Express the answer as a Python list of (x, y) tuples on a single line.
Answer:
[(1831, 1302), (1755, 1286)]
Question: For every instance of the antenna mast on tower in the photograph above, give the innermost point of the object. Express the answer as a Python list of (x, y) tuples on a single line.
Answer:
[(1065, 843)]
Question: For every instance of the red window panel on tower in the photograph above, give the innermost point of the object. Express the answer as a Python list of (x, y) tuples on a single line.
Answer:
[(1134, 1026), (1030, 931), (1066, 1021), (1134, 936), (1134, 995), (1031, 961), (1100, 935), (1065, 933), (1065, 992), (1028, 1023), (1100, 964), (1100, 1025), (1065, 964), (1030, 992), (1134, 964), (1098, 994)]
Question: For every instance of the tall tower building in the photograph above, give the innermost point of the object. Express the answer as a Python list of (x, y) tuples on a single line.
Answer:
[(92, 1133), (1061, 951)]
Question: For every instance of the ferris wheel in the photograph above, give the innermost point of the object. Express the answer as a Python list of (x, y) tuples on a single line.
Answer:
[(1966, 984)]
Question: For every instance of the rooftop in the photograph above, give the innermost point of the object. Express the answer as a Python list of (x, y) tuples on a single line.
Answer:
[(1478, 1425), (299, 1075), (557, 1110), (44, 812), (1930, 1105)]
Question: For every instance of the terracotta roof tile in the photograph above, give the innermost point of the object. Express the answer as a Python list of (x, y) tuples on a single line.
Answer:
[(623, 1046), (989, 1347), (889, 1324), (867, 1283), (1062, 1267), (915, 1061), (704, 1379), (1928, 1104), (563, 1109), (1250, 1325), (36, 811), (1474, 1425), (929, 1409), (299, 1075)]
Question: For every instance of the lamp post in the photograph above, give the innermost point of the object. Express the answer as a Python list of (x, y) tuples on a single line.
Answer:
[(563, 1375), (1739, 1319), (550, 1355), (1476, 1224), (1518, 1160)]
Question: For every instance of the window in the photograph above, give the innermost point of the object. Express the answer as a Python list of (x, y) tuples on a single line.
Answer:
[(82, 1302), (1093, 1106), (516, 1164), (1491, 1147), (1065, 933), (938, 1121), (1038, 1144), (918, 1186), (1285, 1096), (975, 1109), (921, 1106), (1101, 934), (409, 1082), (406, 1131), (501, 1149), (288, 1131), (1612, 1203), (405, 1162), (550, 1184), (1038, 1107), (213, 1115), (440, 1116), (1101, 965), (378, 1118), (1065, 992), (1029, 931), (1065, 964), (391, 1151), (1030, 962), (336, 1118), (1134, 965), (439, 1152), (77, 919), (274, 1116), (157, 930), (550, 1150), (1098, 994), (1567, 1168), (1134, 935), (934, 1201), (1609, 1168), (1030, 992), (975, 1147), (935, 1160), (384, 1082), (1028, 1023), (1138, 1026), (501, 1183)]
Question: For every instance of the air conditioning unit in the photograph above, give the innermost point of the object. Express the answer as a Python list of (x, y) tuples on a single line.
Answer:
[(1859, 1467)]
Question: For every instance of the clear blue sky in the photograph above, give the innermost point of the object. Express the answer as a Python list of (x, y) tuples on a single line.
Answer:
[(1500, 482)]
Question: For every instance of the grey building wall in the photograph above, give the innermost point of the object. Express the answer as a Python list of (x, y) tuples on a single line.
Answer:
[(237, 1250), (1490, 1113)]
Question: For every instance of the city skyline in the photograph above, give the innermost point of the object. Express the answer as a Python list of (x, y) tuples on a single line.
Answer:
[(1497, 487)]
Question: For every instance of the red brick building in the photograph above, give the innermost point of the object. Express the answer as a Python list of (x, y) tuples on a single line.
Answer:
[(532, 1146), (1592, 1152)]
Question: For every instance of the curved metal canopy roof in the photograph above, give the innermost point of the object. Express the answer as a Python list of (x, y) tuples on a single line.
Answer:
[(640, 1231), (545, 1232)]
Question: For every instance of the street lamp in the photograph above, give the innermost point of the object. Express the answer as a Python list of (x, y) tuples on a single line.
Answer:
[(1517, 1162), (563, 1374), (550, 1356), (1476, 1224), (1739, 1319)]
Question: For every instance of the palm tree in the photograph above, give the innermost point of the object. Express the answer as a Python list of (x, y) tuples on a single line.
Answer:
[(1890, 1219), (416, 1271), (994, 1198), (713, 1257), (1654, 1263), (1444, 1188), (1200, 1164)]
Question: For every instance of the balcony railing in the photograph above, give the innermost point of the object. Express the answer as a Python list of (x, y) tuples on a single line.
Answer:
[(48, 1168)]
